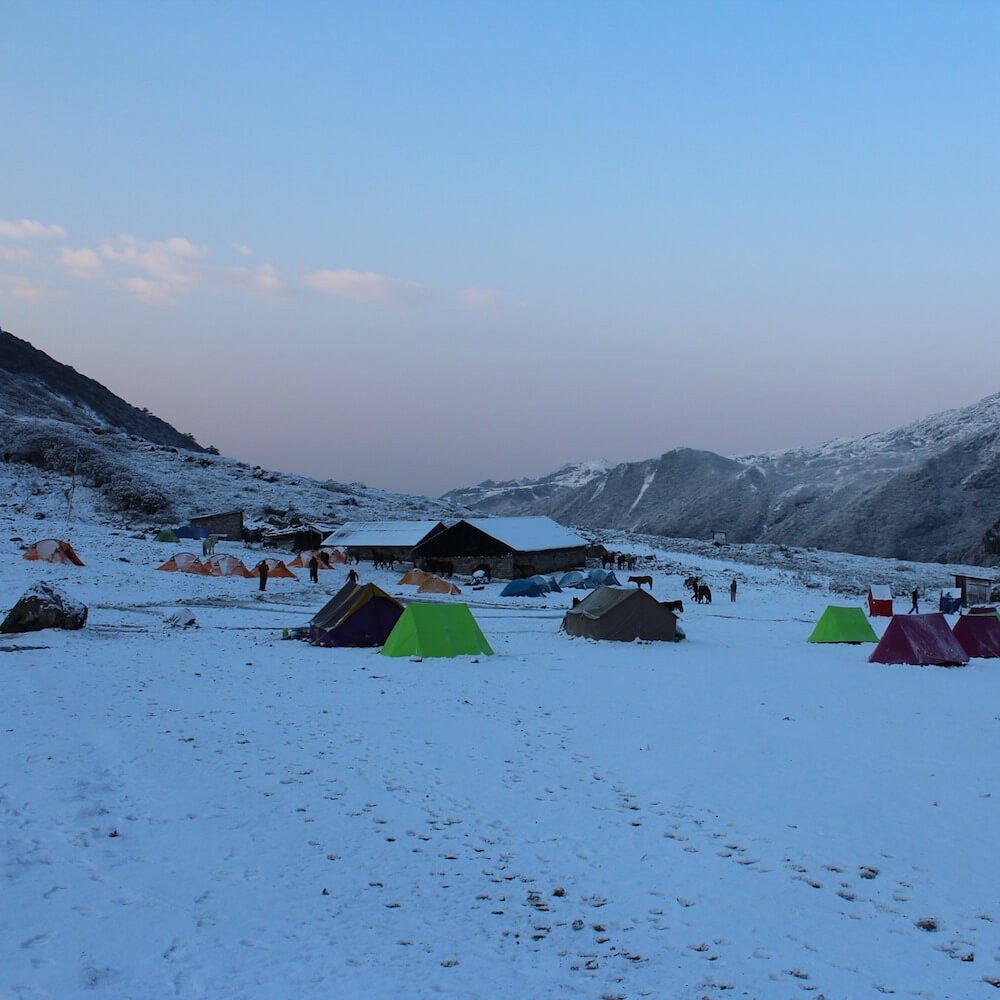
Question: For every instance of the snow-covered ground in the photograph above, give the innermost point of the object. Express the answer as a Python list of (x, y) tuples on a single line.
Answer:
[(218, 812)]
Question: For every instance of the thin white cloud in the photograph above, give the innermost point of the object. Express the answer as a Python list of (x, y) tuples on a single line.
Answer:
[(365, 287), (243, 250), (81, 263), (152, 292), (268, 281), (30, 229), (15, 255), (23, 289), (480, 298)]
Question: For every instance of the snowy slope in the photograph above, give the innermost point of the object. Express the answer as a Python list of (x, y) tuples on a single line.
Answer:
[(218, 812)]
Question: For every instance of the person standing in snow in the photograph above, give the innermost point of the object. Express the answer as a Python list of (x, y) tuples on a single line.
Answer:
[(914, 597), (352, 576), (262, 572), (732, 590), (314, 569)]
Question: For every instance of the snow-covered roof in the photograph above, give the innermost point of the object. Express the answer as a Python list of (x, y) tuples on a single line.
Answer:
[(365, 534), (528, 534), (321, 529), (881, 592)]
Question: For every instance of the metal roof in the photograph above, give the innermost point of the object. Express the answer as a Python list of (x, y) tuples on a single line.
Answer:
[(372, 534), (528, 534)]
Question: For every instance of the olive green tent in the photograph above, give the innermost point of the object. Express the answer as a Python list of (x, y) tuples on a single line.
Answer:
[(622, 614), (166, 535), (843, 625), (436, 630)]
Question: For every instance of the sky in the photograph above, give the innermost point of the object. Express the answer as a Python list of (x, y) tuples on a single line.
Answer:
[(422, 245)]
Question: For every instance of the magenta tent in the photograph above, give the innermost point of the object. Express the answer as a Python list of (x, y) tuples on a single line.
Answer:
[(922, 640)]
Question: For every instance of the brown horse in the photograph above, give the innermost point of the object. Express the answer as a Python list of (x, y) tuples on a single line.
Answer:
[(640, 580), (674, 606), (703, 594)]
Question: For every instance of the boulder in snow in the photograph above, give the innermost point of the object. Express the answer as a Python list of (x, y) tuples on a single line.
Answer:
[(42, 606)]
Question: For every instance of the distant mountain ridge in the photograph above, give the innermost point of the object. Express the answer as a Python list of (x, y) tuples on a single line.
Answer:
[(929, 491), (34, 384)]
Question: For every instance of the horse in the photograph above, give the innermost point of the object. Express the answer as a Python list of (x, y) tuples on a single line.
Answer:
[(675, 606), (640, 580), (691, 583), (608, 560), (704, 594)]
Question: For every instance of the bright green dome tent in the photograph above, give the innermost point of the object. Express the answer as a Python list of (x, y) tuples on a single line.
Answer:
[(843, 625), (436, 630)]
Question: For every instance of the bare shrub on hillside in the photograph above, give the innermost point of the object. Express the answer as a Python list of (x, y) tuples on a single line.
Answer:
[(100, 462)]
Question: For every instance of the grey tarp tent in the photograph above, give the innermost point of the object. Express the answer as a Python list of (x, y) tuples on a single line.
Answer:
[(622, 614)]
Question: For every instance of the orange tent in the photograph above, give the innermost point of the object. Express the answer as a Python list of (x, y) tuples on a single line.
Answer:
[(414, 577), (333, 556), (435, 585), (183, 562), (223, 564), (53, 550), (275, 568)]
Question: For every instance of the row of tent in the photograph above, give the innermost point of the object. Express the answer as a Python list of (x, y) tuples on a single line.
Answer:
[(362, 614), (222, 564), (574, 579), (922, 640)]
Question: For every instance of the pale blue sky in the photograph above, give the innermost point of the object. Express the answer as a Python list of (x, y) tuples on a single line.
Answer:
[(420, 244)]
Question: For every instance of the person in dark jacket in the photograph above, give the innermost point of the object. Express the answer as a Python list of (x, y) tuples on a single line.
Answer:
[(352, 576), (914, 597), (262, 572), (314, 568)]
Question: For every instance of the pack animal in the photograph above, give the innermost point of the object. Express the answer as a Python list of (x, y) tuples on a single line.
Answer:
[(703, 595), (640, 580), (675, 606)]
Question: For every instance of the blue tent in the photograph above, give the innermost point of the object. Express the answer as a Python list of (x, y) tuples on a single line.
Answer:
[(524, 588), (189, 531), (601, 578), (574, 578)]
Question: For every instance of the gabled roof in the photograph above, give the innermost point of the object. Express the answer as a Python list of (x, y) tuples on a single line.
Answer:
[(880, 592), (920, 640), (528, 534), (372, 534)]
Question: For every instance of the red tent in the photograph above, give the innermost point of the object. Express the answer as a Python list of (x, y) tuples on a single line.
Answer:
[(920, 640), (979, 635)]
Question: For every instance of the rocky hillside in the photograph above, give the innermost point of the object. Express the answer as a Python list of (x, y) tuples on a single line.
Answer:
[(67, 441), (34, 385), (929, 491)]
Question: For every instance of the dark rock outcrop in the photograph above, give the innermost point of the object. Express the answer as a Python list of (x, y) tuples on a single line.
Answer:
[(41, 607)]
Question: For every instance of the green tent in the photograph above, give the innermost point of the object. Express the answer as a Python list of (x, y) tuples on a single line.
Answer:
[(436, 630), (843, 625), (166, 535)]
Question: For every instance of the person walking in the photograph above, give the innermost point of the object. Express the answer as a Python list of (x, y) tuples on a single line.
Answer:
[(732, 590), (314, 569), (352, 576), (914, 597), (262, 573)]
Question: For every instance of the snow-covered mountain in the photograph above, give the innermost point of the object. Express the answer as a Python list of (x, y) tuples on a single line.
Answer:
[(928, 491), (523, 492), (32, 384), (62, 431)]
